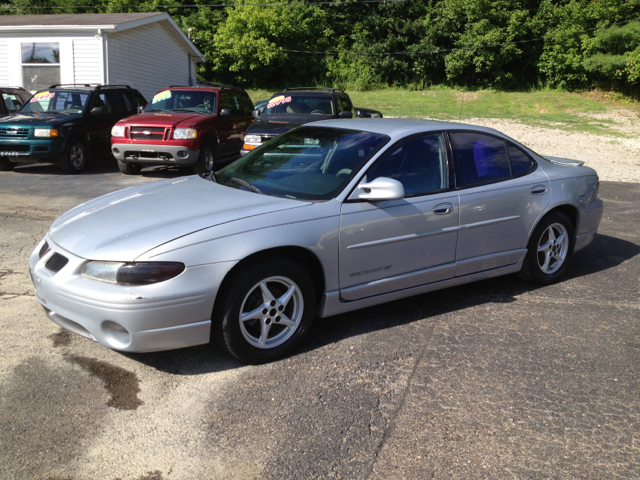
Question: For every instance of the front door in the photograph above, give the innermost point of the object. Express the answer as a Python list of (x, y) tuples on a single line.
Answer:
[(502, 196), (392, 245)]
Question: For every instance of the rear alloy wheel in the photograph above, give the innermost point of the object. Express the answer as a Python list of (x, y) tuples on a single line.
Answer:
[(550, 250), (74, 158), (129, 168), (265, 312), (207, 158), (6, 165)]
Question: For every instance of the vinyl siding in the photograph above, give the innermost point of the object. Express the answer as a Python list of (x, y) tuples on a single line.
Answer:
[(147, 58), (87, 60), (4, 63)]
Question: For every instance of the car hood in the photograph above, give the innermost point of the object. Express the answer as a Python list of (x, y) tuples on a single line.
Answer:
[(123, 225), (163, 119), (278, 124), (32, 119)]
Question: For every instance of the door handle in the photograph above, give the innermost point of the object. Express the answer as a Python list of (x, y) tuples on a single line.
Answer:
[(539, 190), (443, 209)]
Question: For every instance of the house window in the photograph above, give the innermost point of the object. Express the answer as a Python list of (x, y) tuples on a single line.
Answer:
[(40, 65)]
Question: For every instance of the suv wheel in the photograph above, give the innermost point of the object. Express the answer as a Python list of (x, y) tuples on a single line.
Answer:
[(74, 158), (6, 165), (129, 168), (207, 159)]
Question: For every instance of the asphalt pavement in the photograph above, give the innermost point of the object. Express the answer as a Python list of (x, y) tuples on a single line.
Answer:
[(497, 379)]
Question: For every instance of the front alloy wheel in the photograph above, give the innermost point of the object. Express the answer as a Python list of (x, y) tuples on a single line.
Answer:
[(264, 310), (74, 158)]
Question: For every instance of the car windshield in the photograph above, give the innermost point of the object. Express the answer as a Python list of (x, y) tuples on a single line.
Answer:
[(308, 163), (184, 101), (56, 101), (299, 103)]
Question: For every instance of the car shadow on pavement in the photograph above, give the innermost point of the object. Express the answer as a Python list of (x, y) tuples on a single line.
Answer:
[(604, 253)]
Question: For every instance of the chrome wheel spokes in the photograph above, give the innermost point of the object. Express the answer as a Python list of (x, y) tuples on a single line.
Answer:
[(553, 248), (271, 312)]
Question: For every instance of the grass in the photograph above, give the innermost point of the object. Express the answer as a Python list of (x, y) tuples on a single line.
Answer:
[(548, 108)]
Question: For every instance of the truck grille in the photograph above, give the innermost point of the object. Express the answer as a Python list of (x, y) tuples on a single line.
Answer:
[(56, 262), (14, 132), (14, 148), (147, 133)]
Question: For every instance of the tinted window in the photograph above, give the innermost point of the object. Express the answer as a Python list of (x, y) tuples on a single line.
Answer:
[(13, 101), (419, 163), (100, 100), (135, 98), (300, 103), (310, 163), (246, 102), (119, 105), (520, 161), (481, 158), (344, 103)]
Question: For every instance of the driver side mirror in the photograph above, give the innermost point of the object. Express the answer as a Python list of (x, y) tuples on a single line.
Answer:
[(345, 114), (97, 110), (140, 108), (382, 188), (225, 112), (256, 113)]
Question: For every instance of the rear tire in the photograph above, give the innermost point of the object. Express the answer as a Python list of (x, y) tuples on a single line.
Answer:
[(207, 159), (6, 165), (129, 168), (74, 158), (264, 310), (549, 251)]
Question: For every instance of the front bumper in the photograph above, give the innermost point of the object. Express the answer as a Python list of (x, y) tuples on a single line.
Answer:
[(154, 154), (164, 316), (31, 149)]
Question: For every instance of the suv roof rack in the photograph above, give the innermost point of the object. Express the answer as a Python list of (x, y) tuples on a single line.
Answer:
[(89, 85), (323, 89), (203, 85), (13, 88)]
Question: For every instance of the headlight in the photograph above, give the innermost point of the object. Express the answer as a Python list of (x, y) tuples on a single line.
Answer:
[(184, 133), (45, 132), (141, 273), (252, 139), (117, 131)]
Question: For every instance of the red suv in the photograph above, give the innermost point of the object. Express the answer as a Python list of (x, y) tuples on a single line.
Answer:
[(184, 126)]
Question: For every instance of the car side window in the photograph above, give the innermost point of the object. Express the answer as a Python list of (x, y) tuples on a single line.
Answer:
[(419, 163), (13, 102), (136, 99), (480, 158), (226, 101), (520, 161), (119, 105), (246, 102), (237, 110), (344, 103), (100, 100)]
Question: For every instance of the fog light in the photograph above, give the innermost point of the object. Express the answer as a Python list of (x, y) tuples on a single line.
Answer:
[(116, 151), (183, 154), (116, 334)]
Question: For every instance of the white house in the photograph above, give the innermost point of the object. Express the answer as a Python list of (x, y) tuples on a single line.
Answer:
[(146, 51)]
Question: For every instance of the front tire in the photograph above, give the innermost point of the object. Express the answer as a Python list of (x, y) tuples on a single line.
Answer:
[(265, 311), (129, 168), (207, 158), (74, 158), (6, 165), (549, 251)]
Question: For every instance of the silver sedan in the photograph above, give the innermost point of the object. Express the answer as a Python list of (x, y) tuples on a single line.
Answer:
[(325, 219)]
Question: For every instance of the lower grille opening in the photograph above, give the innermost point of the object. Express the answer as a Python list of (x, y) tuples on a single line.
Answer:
[(43, 250), (56, 262), (160, 155), (14, 148)]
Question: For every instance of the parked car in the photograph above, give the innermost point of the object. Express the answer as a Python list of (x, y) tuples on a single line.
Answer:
[(66, 124), (11, 99), (184, 126), (327, 218), (296, 106), (260, 107)]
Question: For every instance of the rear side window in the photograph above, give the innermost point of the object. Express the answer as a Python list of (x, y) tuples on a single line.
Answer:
[(520, 161), (119, 105), (481, 158), (13, 101), (344, 103), (246, 102)]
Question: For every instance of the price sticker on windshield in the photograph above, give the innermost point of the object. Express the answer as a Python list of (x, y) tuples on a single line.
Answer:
[(41, 96), (278, 101), (161, 96)]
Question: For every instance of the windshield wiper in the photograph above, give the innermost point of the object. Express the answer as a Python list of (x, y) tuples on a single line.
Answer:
[(189, 110), (245, 184), (157, 110)]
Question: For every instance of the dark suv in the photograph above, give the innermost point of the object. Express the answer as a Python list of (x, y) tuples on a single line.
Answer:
[(185, 127), (66, 124), (11, 99), (296, 106)]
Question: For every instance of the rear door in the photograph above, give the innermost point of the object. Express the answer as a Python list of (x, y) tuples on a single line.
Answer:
[(392, 245), (226, 130), (502, 195), (99, 124)]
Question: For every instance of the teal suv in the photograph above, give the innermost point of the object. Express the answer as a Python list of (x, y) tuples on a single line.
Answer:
[(66, 124)]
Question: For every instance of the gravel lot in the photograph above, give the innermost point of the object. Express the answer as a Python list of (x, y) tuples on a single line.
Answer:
[(498, 379)]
